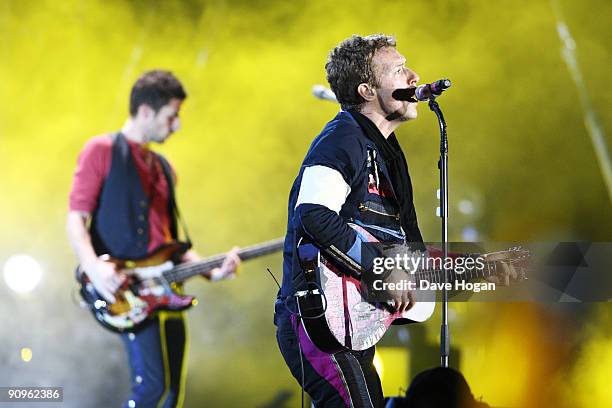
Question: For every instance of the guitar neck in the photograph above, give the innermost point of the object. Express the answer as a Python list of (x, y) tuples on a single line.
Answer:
[(437, 275), (186, 270)]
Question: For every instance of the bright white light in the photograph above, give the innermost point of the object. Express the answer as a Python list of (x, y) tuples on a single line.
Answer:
[(470, 234), (22, 273), (466, 206)]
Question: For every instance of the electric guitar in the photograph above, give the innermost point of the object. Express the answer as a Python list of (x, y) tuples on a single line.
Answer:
[(151, 284), (336, 315)]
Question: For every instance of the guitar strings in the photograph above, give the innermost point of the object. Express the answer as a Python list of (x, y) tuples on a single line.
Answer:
[(183, 271)]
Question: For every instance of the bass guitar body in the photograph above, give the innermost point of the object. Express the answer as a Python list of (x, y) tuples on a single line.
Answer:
[(144, 291), (153, 283)]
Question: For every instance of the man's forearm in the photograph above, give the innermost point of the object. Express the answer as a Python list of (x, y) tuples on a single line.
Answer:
[(332, 234), (325, 227), (79, 237)]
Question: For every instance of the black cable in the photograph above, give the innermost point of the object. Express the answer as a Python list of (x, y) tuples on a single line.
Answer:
[(301, 358), (273, 277), (299, 316)]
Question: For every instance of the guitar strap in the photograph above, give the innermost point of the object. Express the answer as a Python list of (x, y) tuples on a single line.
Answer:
[(172, 199), (348, 329)]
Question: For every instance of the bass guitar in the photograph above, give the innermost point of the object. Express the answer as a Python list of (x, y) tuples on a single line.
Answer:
[(152, 284)]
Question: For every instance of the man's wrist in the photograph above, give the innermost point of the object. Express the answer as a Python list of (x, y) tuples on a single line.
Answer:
[(88, 263)]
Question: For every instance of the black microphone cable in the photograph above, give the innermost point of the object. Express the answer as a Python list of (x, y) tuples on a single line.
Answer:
[(298, 322)]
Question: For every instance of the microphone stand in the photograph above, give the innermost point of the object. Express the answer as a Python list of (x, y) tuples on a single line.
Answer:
[(443, 167)]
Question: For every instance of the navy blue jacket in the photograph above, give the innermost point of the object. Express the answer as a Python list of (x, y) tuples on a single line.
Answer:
[(371, 204)]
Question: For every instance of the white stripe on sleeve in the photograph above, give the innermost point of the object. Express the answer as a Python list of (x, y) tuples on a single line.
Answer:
[(324, 186)]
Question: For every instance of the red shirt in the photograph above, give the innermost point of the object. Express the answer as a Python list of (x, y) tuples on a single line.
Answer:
[(93, 166)]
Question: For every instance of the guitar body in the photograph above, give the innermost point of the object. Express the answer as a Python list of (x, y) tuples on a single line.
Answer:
[(144, 292), (341, 318)]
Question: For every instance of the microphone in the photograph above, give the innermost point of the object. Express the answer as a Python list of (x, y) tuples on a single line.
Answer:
[(422, 93), (321, 92)]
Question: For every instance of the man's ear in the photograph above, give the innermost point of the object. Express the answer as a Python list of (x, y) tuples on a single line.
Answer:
[(366, 92), (145, 111)]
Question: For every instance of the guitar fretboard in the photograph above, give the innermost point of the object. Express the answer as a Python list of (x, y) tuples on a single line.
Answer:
[(436, 275), (186, 270)]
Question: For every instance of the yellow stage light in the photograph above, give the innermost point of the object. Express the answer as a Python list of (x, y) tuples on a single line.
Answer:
[(392, 365), (26, 354)]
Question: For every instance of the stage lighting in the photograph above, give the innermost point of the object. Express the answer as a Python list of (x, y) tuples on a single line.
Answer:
[(26, 354), (470, 234), (22, 273), (378, 364), (393, 366), (466, 206)]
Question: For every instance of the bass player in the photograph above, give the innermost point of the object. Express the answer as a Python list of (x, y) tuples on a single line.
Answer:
[(122, 204)]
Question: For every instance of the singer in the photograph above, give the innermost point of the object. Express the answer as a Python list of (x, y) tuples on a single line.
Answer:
[(354, 170)]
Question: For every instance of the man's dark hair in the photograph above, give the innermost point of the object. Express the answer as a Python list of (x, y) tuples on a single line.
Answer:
[(350, 64), (156, 89)]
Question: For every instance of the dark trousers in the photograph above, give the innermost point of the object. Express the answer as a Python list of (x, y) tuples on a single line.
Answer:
[(345, 379), (156, 354)]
